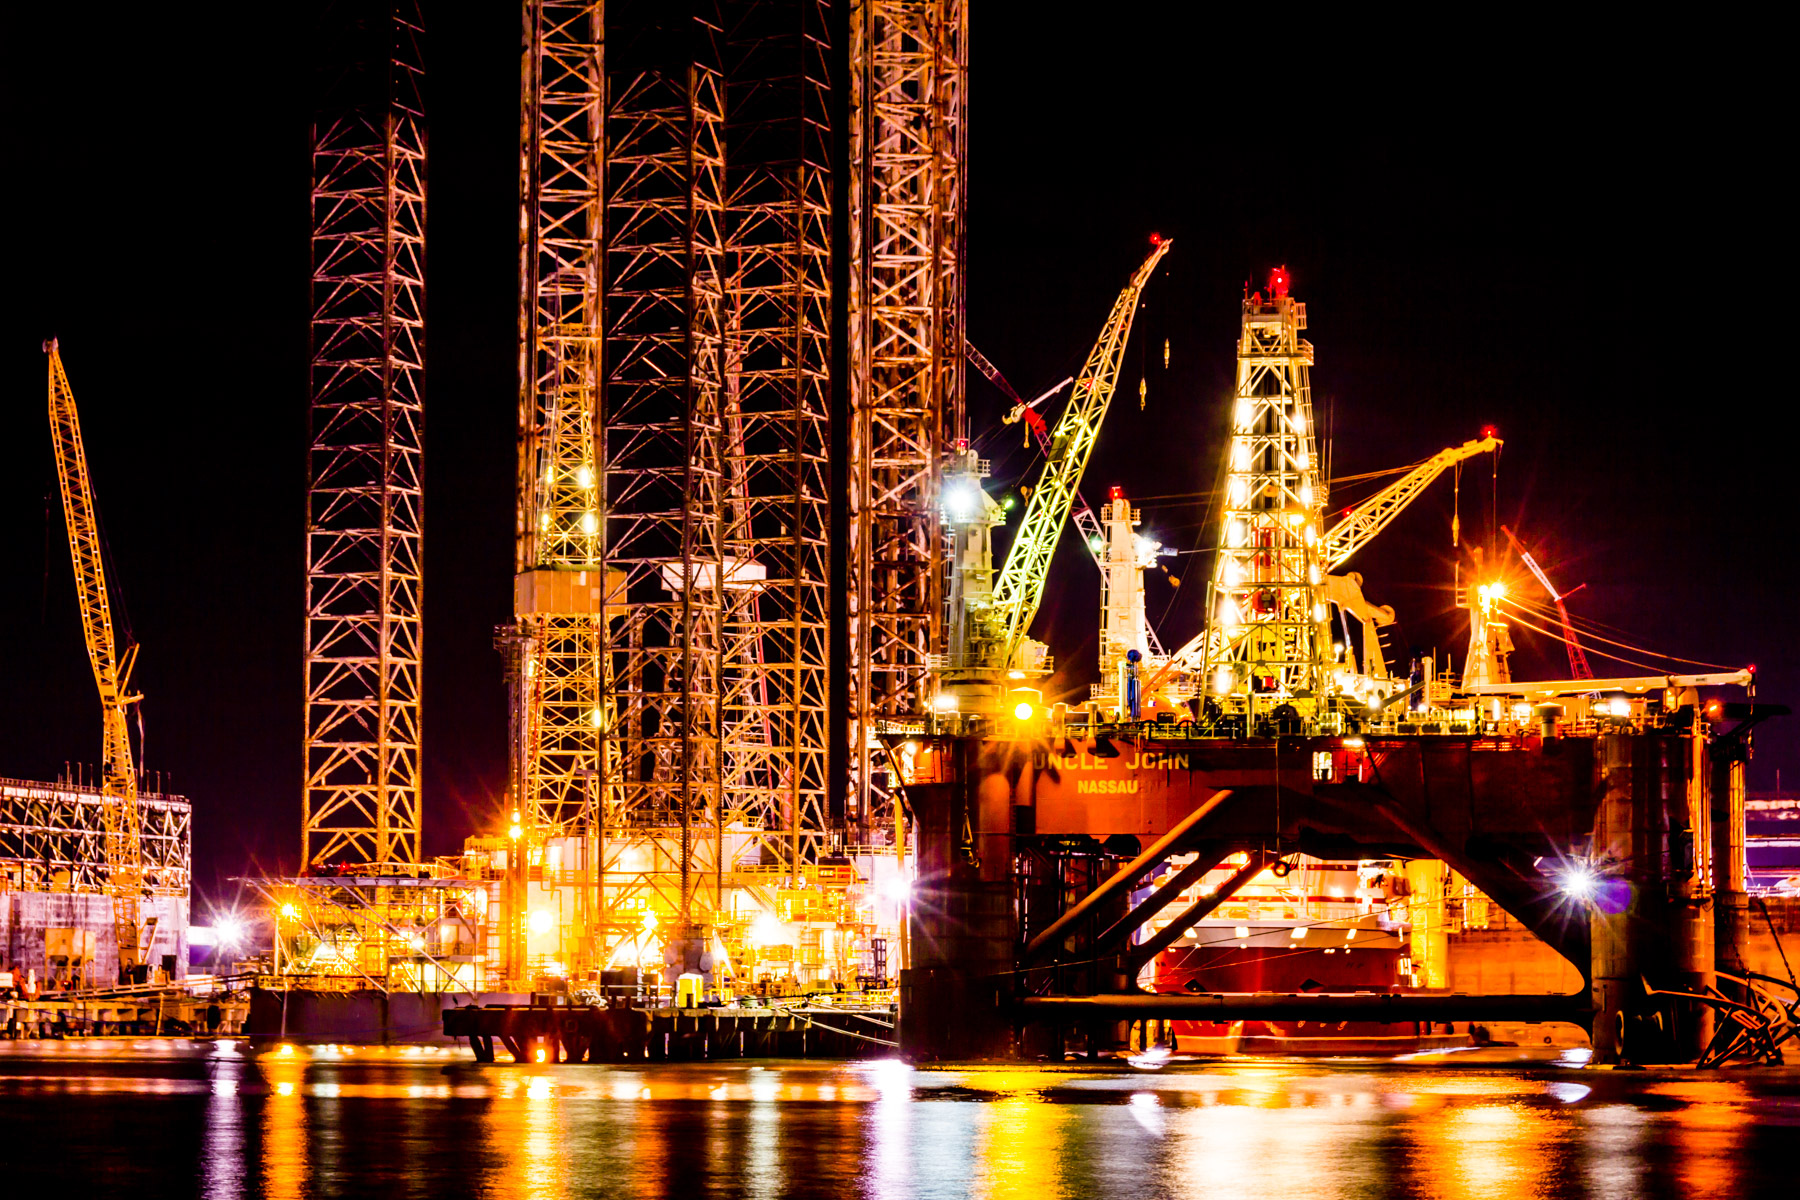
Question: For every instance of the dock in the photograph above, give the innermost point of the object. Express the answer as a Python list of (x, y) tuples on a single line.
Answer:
[(564, 1033)]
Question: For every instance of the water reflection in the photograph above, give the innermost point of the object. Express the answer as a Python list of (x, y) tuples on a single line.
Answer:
[(524, 1139), (1019, 1150), (222, 1158), (1482, 1151), (1708, 1133), (284, 1132), (335, 1122)]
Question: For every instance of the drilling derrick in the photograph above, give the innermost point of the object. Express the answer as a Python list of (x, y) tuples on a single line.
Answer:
[(778, 424), (907, 146), (666, 509), (1267, 638), (364, 525)]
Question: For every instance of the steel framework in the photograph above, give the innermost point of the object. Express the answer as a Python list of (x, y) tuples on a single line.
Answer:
[(1267, 631), (49, 828), (778, 420), (663, 454), (907, 146), (556, 649), (364, 528)]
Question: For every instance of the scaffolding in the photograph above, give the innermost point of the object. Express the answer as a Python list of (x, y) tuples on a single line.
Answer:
[(53, 838), (907, 147), (364, 525)]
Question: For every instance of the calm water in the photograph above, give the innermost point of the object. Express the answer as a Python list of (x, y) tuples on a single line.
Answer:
[(158, 1118)]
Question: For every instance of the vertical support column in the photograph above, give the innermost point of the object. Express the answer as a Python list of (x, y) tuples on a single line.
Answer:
[(1689, 888), (1648, 918), (365, 510), (1429, 937), (962, 928), (561, 588), (1617, 845), (1731, 898), (905, 306)]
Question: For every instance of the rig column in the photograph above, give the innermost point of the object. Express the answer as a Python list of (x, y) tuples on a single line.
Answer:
[(1648, 916), (954, 994), (1731, 899)]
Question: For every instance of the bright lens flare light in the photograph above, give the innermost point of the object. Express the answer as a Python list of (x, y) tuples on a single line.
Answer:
[(1023, 711), (542, 920), (1580, 882)]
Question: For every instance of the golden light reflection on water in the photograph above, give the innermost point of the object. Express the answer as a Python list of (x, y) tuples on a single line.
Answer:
[(307, 1122), (525, 1135), (285, 1165), (1019, 1149), (1478, 1151)]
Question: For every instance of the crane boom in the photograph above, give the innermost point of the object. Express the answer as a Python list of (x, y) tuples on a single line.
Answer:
[(1021, 586), (112, 671), (1578, 663), (1373, 515)]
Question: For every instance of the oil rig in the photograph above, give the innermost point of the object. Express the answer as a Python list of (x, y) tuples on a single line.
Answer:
[(777, 723)]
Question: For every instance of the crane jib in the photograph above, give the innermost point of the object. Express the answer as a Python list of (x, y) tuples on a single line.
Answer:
[(1020, 588), (119, 807)]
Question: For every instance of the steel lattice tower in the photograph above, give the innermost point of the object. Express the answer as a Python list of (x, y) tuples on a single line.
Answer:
[(778, 420), (663, 446), (556, 650), (907, 146), (1267, 630), (364, 512)]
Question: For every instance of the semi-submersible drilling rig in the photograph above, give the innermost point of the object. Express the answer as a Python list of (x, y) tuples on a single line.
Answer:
[(1064, 855)]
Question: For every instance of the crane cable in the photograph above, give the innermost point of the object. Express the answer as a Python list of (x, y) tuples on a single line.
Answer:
[(1544, 614)]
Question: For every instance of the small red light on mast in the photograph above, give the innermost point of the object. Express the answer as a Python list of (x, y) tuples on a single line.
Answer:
[(1488, 431), (1156, 239), (1115, 492), (1278, 281)]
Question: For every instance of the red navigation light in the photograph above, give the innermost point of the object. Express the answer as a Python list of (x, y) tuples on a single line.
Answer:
[(1115, 492), (1156, 239), (1488, 431), (1278, 281)]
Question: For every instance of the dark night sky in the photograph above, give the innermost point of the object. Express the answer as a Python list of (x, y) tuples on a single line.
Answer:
[(1577, 246)]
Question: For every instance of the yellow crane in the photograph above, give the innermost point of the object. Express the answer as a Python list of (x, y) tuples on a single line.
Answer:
[(990, 620), (112, 671)]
